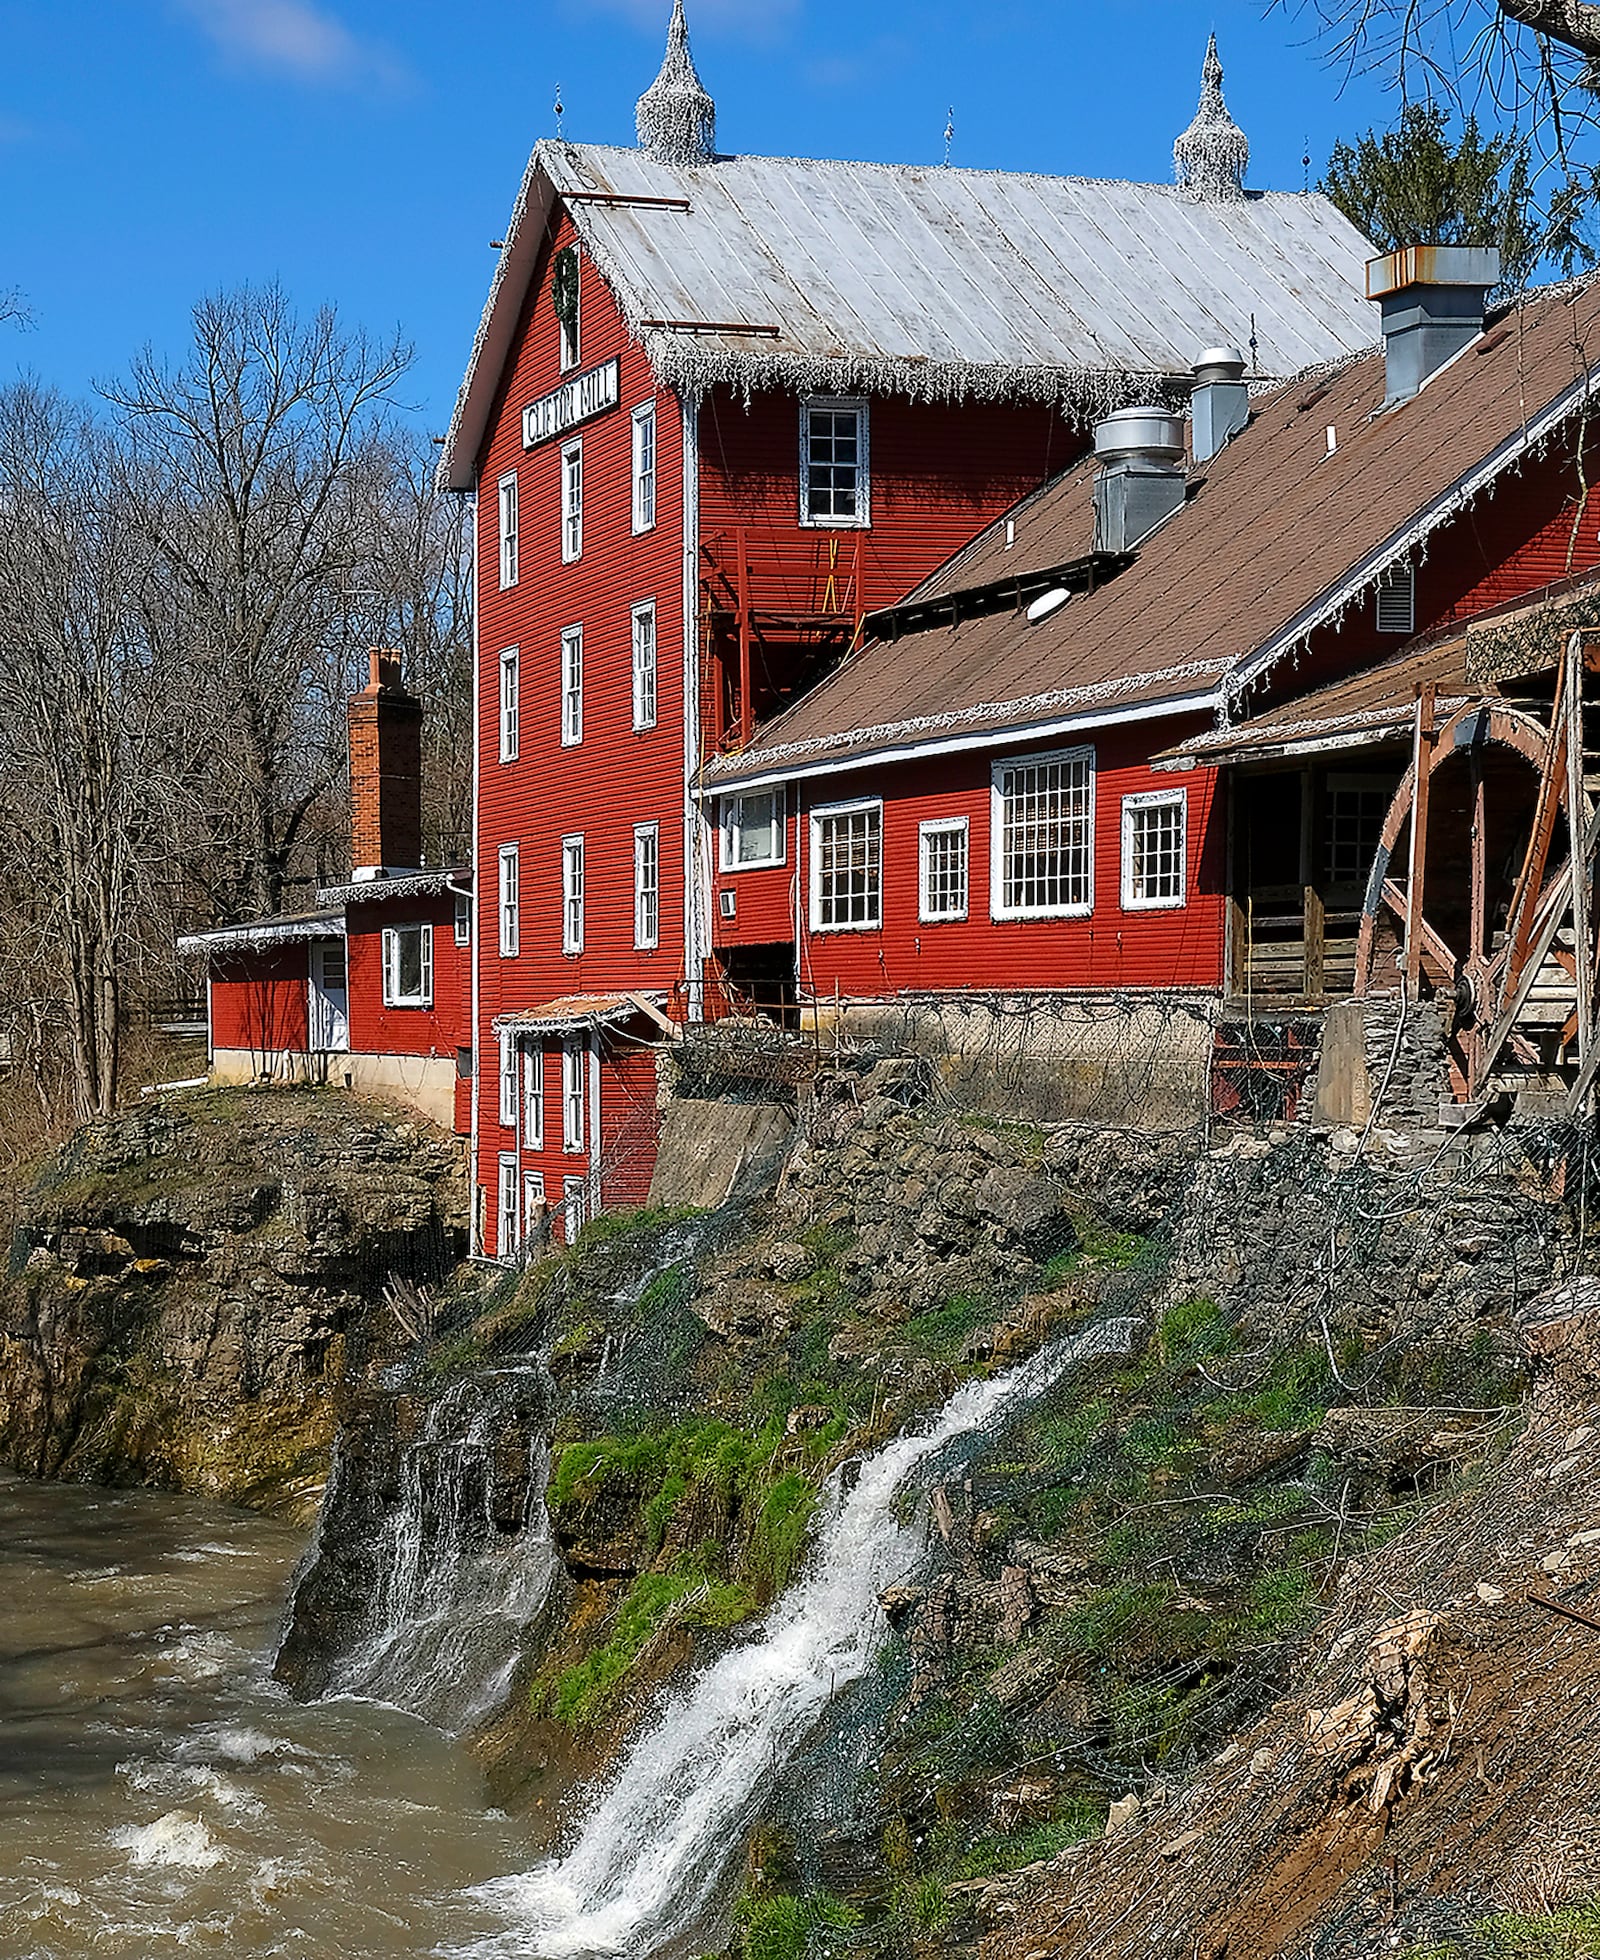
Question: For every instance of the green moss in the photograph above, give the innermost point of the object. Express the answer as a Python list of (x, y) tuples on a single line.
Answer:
[(607, 1227), (1192, 1330), (942, 1332), (781, 1528), (1571, 1932), (686, 1595), (773, 1928)]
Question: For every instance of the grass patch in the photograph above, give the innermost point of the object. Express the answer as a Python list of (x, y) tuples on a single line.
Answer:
[(684, 1596), (943, 1331)]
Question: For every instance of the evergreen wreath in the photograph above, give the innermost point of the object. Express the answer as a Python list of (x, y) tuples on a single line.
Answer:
[(564, 286)]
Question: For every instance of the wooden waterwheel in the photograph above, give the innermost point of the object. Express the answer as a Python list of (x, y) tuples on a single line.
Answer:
[(1477, 896)]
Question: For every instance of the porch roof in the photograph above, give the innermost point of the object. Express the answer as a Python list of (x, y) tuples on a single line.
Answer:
[(1375, 706), (572, 1012), (406, 884)]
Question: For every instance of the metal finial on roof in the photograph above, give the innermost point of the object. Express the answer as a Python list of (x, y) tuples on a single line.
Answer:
[(676, 118), (1213, 153)]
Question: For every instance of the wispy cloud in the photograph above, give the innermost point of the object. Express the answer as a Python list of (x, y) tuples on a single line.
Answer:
[(291, 37)]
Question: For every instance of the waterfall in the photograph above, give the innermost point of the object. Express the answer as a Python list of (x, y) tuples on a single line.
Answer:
[(456, 1591), (656, 1845)]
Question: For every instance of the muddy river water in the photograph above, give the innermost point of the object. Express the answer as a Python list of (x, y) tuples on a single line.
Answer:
[(159, 1794)]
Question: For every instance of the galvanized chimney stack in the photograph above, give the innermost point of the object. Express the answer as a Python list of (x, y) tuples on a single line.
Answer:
[(1141, 483), (1432, 300), (1220, 404)]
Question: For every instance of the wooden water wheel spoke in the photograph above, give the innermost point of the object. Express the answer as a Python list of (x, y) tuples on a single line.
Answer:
[(1514, 956)]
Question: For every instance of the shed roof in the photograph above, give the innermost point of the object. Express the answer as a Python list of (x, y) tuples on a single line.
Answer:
[(433, 883), (798, 273), (283, 929), (572, 1012), (1277, 537)]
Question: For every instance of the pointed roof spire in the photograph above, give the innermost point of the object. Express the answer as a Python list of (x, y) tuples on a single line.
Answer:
[(676, 118), (1213, 153)]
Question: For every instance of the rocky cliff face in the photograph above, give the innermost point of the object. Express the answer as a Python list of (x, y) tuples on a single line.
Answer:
[(182, 1280)]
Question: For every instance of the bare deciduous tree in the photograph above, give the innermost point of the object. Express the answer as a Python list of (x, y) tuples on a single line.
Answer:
[(243, 465), (82, 819)]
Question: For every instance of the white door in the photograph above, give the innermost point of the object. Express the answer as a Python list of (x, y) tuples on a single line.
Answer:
[(330, 996)]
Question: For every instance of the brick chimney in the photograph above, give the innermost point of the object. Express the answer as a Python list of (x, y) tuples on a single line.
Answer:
[(385, 772)]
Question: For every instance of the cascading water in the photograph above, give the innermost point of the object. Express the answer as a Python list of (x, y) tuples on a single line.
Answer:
[(456, 1589), (656, 1846)]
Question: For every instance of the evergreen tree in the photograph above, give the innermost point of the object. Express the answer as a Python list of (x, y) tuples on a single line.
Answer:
[(1417, 185)]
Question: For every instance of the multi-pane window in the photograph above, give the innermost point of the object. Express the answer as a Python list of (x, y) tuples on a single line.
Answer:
[(574, 1206), (572, 687), (752, 830), (942, 869), (1354, 811), (573, 1056), (572, 894), (1397, 600), (505, 1243), (646, 885), (1155, 841), (1043, 832), (508, 530), (533, 1097), (833, 462), (463, 920), (408, 966), (644, 467), (510, 703), (508, 1082), (847, 866), (644, 664), (510, 901), (572, 501)]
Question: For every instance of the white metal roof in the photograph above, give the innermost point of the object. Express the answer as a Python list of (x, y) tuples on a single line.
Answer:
[(928, 281)]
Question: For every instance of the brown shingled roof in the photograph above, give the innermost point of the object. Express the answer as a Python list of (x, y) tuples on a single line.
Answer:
[(1275, 530)]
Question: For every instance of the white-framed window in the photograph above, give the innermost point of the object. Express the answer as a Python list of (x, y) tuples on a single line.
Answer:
[(532, 1206), (644, 664), (408, 966), (847, 867), (510, 901), (752, 830), (568, 269), (533, 1097), (571, 686), (646, 886), (574, 1206), (942, 869), (1155, 849), (510, 703), (508, 529), (1042, 832), (505, 1243), (508, 1082), (644, 468), (574, 1090), (1397, 600), (572, 501), (1354, 807), (834, 480), (463, 920), (572, 894)]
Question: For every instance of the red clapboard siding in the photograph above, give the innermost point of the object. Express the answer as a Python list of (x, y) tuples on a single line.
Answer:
[(630, 1122), (259, 1001), (1108, 948), (379, 1030), (938, 475), (616, 777)]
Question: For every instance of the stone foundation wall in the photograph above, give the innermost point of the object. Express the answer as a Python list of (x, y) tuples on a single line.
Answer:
[(422, 1084)]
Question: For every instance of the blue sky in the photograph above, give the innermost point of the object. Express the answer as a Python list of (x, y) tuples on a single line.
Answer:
[(365, 151)]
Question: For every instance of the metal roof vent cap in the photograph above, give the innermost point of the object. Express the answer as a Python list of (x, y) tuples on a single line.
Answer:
[(1140, 451), (1220, 404), (1432, 299)]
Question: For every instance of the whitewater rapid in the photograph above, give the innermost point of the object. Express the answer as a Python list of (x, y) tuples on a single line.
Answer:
[(656, 1845)]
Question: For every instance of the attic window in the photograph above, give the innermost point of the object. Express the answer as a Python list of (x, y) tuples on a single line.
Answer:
[(1397, 601), (564, 298), (833, 463)]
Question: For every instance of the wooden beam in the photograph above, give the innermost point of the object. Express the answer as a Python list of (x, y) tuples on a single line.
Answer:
[(1310, 896), (1528, 895), (1421, 776), (653, 1013), (1431, 949), (1577, 813)]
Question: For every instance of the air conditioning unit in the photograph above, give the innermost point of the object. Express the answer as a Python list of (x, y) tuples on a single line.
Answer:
[(728, 904)]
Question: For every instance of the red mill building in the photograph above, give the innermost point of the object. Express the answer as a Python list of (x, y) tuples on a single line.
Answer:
[(720, 410)]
